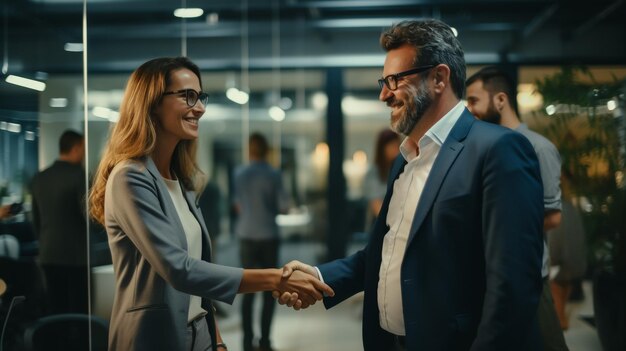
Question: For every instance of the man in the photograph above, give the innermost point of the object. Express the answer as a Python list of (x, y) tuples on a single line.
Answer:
[(59, 221), (449, 265), (491, 96), (259, 197)]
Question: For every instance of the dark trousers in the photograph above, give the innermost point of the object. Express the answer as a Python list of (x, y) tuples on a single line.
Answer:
[(549, 325), (258, 254), (66, 288)]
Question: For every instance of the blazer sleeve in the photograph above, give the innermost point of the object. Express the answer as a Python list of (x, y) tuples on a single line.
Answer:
[(512, 217), (345, 276), (136, 207)]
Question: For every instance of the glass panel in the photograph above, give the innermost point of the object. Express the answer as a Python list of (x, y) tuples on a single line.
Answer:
[(43, 239), (366, 117)]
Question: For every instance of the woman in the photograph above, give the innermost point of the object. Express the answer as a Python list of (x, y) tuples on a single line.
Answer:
[(387, 149), (144, 195)]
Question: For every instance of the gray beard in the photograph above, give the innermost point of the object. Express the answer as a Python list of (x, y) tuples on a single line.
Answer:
[(419, 101)]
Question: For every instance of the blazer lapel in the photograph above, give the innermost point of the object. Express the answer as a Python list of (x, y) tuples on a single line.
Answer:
[(450, 149), (190, 198)]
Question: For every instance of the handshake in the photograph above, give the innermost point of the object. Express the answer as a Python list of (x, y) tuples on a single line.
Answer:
[(300, 286)]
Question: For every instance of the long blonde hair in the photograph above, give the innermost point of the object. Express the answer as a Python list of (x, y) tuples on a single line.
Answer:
[(134, 135)]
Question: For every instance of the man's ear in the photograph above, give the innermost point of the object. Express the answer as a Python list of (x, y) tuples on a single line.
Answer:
[(441, 77), (500, 100)]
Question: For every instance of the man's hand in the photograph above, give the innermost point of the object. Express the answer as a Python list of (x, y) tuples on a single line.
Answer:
[(297, 270)]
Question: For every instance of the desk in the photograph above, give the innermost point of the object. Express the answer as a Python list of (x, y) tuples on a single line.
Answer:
[(103, 283)]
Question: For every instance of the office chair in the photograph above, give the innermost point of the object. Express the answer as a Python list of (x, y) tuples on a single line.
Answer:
[(9, 247), (68, 332)]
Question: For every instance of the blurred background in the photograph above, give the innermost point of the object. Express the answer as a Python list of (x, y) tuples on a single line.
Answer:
[(304, 73)]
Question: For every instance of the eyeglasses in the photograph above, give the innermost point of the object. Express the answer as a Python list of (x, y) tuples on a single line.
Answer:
[(191, 96), (391, 81)]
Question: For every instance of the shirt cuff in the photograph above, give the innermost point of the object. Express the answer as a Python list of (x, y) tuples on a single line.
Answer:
[(319, 274)]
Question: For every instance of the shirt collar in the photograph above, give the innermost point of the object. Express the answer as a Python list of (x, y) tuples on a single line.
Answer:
[(437, 133)]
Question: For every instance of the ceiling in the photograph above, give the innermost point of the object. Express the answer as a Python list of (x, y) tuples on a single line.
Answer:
[(121, 34)]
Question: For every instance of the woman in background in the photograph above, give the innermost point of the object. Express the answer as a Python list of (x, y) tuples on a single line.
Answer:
[(387, 149), (144, 195)]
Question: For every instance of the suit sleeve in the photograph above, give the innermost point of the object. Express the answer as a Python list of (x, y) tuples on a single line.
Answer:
[(512, 217), (345, 276), (137, 211)]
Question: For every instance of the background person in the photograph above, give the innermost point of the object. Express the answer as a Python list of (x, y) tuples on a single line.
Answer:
[(491, 97), (375, 186), (259, 198), (59, 221)]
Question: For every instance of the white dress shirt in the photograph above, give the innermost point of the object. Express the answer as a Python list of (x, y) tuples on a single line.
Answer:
[(407, 190)]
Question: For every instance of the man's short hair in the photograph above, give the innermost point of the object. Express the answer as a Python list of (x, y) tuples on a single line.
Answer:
[(258, 145), (68, 140), (496, 80), (434, 42)]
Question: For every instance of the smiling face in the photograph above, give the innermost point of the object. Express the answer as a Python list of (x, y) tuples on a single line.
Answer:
[(177, 121), (411, 99)]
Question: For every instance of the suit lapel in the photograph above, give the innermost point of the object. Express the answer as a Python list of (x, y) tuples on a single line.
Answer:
[(450, 149)]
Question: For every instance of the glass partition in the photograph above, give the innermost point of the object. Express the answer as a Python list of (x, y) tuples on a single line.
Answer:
[(43, 235)]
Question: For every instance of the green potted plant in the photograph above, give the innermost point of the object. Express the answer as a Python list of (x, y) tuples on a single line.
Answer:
[(585, 121)]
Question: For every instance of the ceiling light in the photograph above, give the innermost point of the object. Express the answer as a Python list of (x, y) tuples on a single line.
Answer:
[(14, 127), (277, 113), (611, 105), (319, 101), (454, 31), (285, 103), (29, 135), (73, 47), (26, 83), (188, 12), (212, 18), (238, 96), (550, 110), (40, 75), (58, 102), (106, 113)]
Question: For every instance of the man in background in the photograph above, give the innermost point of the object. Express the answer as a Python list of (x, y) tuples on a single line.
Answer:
[(59, 220), (259, 197), (492, 97)]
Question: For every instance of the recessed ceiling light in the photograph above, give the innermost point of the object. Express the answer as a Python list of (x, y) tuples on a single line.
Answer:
[(26, 83), (58, 102), (188, 12), (73, 47)]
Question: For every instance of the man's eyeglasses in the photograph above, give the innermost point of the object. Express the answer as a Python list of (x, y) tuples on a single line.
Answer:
[(391, 81), (191, 96)]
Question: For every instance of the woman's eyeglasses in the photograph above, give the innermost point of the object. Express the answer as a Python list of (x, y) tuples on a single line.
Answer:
[(191, 96)]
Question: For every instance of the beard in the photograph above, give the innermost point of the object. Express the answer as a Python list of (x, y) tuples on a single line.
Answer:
[(416, 104), (491, 115)]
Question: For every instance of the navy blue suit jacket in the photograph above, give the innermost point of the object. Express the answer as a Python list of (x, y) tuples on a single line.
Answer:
[(471, 273)]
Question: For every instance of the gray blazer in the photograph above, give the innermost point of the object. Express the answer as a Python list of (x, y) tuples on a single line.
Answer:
[(154, 275)]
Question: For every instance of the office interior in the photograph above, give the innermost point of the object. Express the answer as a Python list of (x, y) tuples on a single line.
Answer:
[(304, 73)]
